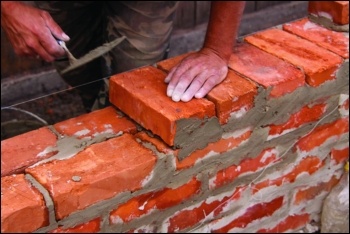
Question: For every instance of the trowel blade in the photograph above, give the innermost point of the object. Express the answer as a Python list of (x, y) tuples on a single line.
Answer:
[(93, 54)]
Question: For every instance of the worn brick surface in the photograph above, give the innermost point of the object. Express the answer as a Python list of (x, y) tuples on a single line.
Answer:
[(336, 42), (292, 222), (336, 11), (88, 176), (231, 95), (141, 94), (168, 64), (106, 120), (318, 63), (266, 69), (23, 207), (320, 134), (22, 151), (159, 200)]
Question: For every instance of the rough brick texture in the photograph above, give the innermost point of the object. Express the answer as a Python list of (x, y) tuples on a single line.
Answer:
[(258, 154)]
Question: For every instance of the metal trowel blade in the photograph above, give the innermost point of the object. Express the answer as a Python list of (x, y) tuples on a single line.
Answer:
[(93, 54)]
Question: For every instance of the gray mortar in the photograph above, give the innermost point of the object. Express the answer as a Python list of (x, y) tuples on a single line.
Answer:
[(193, 134), (327, 23)]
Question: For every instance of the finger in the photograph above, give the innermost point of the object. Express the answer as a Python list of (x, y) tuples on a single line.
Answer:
[(170, 75), (208, 85), (184, 81), (54, 28), (194, 87), (175, 75)]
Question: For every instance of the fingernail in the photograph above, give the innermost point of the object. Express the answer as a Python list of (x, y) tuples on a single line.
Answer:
[(65, 36), (176, 98), (169, 92)]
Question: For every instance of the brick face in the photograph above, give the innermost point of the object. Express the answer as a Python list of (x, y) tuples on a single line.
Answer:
[(19, 202), (336, 11)]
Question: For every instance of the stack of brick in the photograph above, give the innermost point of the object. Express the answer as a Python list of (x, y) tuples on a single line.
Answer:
[(259, 154)]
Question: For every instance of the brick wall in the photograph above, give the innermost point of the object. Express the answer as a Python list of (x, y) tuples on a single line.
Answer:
[(258, 154)]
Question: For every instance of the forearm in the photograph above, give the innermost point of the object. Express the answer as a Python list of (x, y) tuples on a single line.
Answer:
[(223, 26)]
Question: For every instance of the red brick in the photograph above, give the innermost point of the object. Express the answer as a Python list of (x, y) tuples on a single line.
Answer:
[(221, 146), (189, 217), (168, 64), (22, 206), (320, 134), (340, 155), (92, 226), (305, 115), (318, 63), (22, 151), (106, 120), (156, 141), (255, 212), (160, 200), (266, 69), (311, 192), (309, 165), (336, 42), (103, 170), (292, 222), (229, 174), (141, 94), (234, 93), (336, 11)]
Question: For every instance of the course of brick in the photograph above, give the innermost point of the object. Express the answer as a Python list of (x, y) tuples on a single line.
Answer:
[(258, 154)]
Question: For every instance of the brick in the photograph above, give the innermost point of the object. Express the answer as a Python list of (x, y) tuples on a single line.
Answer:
[(336, 11), (189, 217), (292, 222), (99, 172), (305, 115), (320, 134), (254, 212), (156, 141), (308, 164), (340, 155), (232, 94), (167, 64), (141, 94), (92, 226), (230, 173), (336, 42), (319, 64), (221, 146), (266, 70), (22, 151), (23, 207), (106, 120), (159, 200), (308, 194)]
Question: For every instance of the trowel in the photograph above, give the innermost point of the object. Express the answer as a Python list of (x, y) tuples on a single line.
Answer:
[(93, 54)]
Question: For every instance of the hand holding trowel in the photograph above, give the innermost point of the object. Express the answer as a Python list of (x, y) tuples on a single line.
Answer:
[(93, 54)]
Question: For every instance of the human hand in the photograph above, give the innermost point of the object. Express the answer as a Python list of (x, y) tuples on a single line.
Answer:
[(196, 75), (31, 31)]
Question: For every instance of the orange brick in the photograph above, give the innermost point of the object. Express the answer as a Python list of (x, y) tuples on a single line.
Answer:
[(159, 200), (336, 11), (141, 94), (234, 93), (336, 42), (318, 63), (222, 145), (168, 64), (309, 165), (106, 120), (22, 151), (22, 206), (92, 226), (340, 155), (305, 115), (189, 217), (292, 222), (266, 69), (319, 135), (229, 174), (311, 192), (255, 212), (99, 172)]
